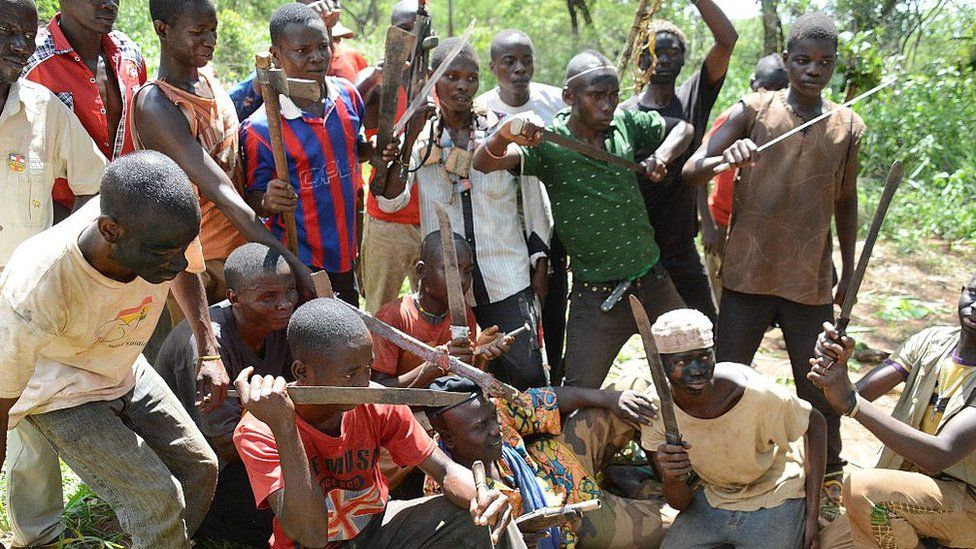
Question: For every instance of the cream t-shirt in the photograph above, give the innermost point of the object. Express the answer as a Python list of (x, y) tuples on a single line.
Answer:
[(68, 334), (751, 457)]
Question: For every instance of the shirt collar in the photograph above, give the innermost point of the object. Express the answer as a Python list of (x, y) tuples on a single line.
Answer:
[(291, 111), (14, 100), (61, 44)]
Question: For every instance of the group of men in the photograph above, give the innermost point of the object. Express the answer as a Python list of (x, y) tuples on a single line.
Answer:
[(176, 205)]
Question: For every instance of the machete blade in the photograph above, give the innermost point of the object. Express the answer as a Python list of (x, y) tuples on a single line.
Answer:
[(455, 293), (672, 434)]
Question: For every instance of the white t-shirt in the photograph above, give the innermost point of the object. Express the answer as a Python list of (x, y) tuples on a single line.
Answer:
[(68, 334), (544, 100)]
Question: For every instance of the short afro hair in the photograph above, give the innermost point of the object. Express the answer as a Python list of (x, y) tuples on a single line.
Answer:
[(168, 11), (770, 74), (322, 328), (663, 25), (506, 36), (813, 25), (292, 13), (147, 187), (584, 61), (445, 46), (431, 251), (248, 261)]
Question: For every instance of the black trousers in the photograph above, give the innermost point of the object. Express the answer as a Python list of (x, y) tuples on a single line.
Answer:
[(594, 338), (233, 515), (690, 278), (521, 366), (554, 310), (741, 325)]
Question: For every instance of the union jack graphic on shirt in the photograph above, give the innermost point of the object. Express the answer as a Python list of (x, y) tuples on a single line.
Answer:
[(350, 511)]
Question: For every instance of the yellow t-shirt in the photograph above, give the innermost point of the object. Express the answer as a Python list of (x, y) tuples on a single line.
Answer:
[(68, 334), (952, 377), (750, 457)]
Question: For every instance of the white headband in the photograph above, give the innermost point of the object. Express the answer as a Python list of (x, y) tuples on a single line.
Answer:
[(587, 71)]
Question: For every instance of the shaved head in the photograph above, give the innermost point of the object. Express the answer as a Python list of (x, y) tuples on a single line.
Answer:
[(506, 39), (588, 66)]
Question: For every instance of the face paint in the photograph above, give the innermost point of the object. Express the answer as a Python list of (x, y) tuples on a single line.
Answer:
[(690, 371)]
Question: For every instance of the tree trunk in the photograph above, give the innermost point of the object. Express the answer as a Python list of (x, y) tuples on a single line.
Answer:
[(772, 28)]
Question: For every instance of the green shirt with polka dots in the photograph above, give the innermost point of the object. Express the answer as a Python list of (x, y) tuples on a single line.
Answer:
[(597, 208)]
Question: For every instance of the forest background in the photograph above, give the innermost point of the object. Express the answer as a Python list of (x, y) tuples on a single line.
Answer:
[(926, 119)]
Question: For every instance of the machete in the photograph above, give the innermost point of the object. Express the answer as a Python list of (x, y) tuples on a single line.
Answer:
[(420, 98), (369, 395), (455, 293), (585, 149), (399, 44), (491, 386), (671, 432)]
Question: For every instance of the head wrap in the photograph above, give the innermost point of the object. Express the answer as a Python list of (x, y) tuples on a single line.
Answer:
[(682, 330)]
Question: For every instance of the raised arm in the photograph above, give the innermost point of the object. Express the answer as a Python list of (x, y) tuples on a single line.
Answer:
[(728, 143), (931, 453), (717, 60), (165, 129), (300, 507)]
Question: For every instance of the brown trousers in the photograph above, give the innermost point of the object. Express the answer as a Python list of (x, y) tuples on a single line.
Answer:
[(896, 509)]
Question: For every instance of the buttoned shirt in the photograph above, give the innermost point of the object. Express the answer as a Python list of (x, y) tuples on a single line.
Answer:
[(40, 140), (57, 66), (502, 216)]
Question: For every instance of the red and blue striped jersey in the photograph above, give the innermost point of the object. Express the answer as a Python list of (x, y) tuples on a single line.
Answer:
[(324, 170)]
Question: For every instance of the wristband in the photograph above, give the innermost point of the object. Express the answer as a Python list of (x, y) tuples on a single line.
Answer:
[(208, 358), (493, 155), (855, 407)]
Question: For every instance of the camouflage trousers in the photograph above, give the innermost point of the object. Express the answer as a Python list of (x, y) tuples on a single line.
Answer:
[(895, 509)]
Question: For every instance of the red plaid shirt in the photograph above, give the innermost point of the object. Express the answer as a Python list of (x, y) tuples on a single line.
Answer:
[(56, 66)]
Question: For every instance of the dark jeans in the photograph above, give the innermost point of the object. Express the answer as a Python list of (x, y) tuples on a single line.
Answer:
[(234, 515), (594, 337), (554, 310), (702, 526), (691, 280), (741, 325), (521, 366)]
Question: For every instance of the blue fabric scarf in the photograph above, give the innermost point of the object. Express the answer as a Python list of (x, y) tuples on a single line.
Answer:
[(533, 497)]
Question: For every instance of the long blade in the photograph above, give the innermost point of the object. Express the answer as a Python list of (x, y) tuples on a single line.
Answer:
[(399, 44), (455, 295), (591, 151), (724, 165), (421, 97), (370, 395), (813, 121), (672, 434), (488, 384), (895, 175)]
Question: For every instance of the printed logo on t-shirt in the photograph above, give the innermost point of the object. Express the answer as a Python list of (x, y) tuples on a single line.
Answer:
[(351, 511), (125, 322), (349, 482)]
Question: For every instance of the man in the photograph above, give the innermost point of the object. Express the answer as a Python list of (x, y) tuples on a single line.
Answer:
[(597, 209), (187, 115), (94, 70), (425, 316), (323, 150), (78, 303), (346, 60), (246, 95), (43, 142), (538, 460), (513, 64), (760, 483), (250, 328), (490, 209), (923, 486), (770, 75), (673, 206), (784, 204), (315, 465), (391, 240)]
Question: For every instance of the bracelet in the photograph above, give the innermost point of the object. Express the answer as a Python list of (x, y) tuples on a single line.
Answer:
[(208, 358), (493, 155), (855, 407)]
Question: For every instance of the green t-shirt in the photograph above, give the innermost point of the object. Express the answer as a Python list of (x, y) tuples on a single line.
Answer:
[(598, 209)]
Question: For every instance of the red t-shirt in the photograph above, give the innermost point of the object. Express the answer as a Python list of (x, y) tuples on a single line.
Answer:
[(346, 62), (409, 215), (403, 315), (345, 467), (720, 198)]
